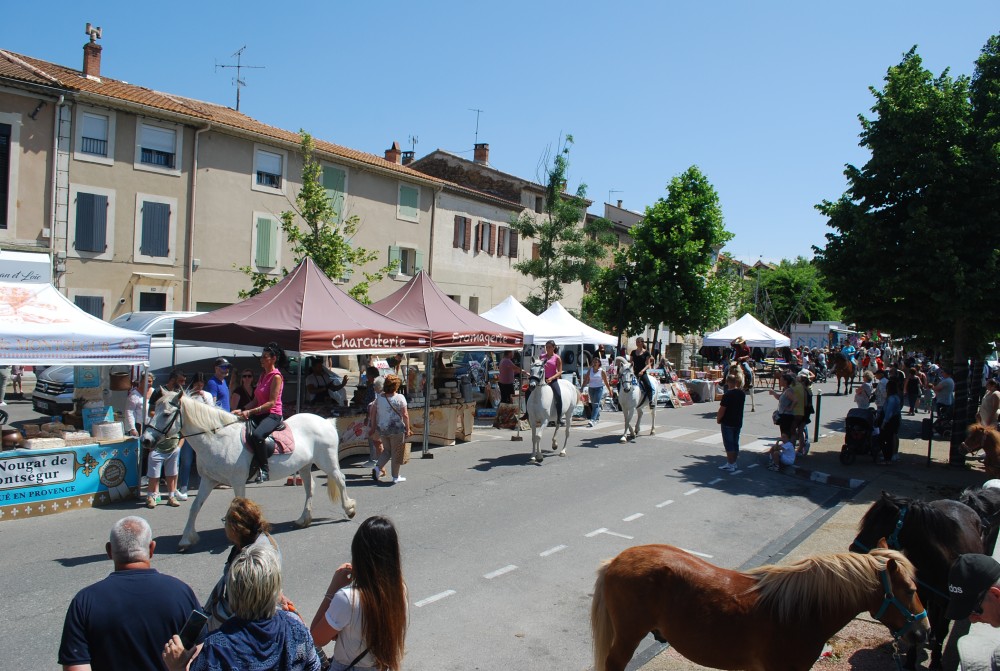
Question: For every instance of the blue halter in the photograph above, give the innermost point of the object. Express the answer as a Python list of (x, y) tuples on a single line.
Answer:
[(890, 600)]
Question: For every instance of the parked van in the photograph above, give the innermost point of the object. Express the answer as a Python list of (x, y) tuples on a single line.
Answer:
[(54, 388)]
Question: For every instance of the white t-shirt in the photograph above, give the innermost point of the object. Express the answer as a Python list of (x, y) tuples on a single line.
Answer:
[(787, 456), (203, 396), (344, 615)]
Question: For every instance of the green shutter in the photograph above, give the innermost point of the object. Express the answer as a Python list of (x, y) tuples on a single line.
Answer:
[(418, 265), (409, 202), (394, 259), (334, 180), (267, 243)]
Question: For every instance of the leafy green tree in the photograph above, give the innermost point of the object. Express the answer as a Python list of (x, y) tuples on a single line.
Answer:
[(324, 239), (915, 247), (670, 265), (569, 247), (795, 294)]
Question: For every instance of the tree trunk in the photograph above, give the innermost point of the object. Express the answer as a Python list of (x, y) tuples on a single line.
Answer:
[(960, 403)]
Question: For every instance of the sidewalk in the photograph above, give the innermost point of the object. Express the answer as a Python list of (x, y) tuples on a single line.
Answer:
[(909, 477)]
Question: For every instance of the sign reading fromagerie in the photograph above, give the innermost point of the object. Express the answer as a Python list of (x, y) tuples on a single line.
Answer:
[(48, 469)]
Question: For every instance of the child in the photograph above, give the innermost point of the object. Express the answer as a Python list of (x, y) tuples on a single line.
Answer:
[(730, 417), (15, 375), (782, 454)]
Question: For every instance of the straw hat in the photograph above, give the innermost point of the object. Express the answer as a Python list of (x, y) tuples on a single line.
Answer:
[(738, 340)]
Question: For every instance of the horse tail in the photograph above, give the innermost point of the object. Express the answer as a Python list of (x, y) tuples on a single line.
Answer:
[(601, 626), (333, 491)]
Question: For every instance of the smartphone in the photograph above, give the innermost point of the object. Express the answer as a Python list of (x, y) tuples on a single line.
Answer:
[(192, 628)]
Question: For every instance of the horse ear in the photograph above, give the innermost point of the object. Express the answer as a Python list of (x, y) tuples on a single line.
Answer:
[(882, 544), (176, 400)]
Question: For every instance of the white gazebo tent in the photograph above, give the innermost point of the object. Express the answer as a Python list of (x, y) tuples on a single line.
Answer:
[(755, 333), (565, 329), (512, 314)]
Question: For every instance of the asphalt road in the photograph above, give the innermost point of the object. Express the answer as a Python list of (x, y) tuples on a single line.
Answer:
[(499, 555)]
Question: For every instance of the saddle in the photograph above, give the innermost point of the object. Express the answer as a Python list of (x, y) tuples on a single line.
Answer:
[(281, 440)]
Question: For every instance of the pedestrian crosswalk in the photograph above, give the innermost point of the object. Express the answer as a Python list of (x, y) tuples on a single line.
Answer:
[(748, 443)]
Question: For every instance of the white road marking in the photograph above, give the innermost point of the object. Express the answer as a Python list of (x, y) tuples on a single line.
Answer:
[(735, 472), (631, 518), (552, 551), (594, 533), (759, 446), (665, 503), (714, 439), (676, 433), (716, 481), (692, 491), (753, 465), (697, 554), (432, 599), (500, 572), (612, 533), (604, 530)]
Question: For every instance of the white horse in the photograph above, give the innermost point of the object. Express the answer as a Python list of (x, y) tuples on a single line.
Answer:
[(541, 408), (629, 394), (216, 436)]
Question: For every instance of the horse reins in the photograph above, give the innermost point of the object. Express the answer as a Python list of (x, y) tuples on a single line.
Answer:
[(177, 416)]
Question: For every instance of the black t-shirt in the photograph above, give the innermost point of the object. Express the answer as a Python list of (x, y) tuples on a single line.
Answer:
[(733, 401), (639, 360), (123, 621)]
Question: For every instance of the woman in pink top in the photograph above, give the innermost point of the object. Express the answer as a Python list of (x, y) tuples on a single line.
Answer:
[(266, 409), (553, 373)]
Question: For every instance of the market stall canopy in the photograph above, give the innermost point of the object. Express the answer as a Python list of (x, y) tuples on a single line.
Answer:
[(38, 325), (755, 333), (565, 329), (305, 313), (512, 314), (421, 303)]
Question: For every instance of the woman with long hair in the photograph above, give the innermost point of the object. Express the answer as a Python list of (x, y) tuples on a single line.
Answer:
[(266, 415), (241, 393), (364, 609)]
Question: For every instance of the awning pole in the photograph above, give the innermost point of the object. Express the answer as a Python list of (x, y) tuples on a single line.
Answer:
[(428, 366)]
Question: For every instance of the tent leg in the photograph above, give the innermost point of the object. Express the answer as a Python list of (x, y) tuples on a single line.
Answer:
[(428, 371)]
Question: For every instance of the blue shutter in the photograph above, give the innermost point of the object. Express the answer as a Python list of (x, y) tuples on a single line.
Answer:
[(409, 202), (267, 243), (394, 260), (418, 263), (155, 229), (334, 180), (91, 223), (92, 305)]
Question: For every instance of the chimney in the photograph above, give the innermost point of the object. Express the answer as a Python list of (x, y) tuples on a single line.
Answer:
[(92, 53), (392, 154), (481, 153), (619, 203), (408, 157)]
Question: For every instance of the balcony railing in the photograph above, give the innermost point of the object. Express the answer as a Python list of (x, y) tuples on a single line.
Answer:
[(92, 145), (268, 179), (158, 158)]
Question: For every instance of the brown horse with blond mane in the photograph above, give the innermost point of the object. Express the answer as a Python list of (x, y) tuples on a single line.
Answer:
[(985, 438), (771, 617)]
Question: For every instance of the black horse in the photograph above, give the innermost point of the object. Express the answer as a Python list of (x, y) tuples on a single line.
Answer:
[(986, 502), (932, 535)]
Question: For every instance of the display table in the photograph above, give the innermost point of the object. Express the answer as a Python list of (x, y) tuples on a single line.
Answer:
[(702, 391), (447, 423), (44, 482)]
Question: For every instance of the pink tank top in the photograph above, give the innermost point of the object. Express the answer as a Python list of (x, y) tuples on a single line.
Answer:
[(262, 394), (551, 366)]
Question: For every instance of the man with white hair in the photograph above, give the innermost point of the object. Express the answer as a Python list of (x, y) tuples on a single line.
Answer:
[(122, 621)]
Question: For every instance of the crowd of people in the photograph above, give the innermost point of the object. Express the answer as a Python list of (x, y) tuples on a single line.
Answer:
[(139, 618)]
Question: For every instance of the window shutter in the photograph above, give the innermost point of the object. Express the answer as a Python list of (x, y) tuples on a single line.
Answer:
[(5, 138), (267, 243), (418, 263), (334, 180), (409, 201), (501, 240), (155, 229), (536, 251), (394, 260), (493, 238), (91, 223), (479, 236), (459, 229), (513, 236), (92, 305), (468, 234)]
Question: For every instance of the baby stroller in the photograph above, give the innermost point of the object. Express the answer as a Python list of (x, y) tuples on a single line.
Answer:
[(859, 436)]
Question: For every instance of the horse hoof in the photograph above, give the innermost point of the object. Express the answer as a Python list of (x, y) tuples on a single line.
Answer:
[(623, 439), (183, 548), (562, 454), (351, 512)]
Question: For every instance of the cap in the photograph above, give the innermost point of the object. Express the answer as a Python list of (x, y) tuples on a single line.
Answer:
[(968, 580), (222, 362)]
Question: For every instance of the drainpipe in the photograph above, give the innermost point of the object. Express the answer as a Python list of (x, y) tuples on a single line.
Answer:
[(192, 210), (53, 204), (430, 249)]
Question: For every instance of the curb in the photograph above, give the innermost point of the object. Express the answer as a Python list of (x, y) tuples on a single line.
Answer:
[(824, 478)]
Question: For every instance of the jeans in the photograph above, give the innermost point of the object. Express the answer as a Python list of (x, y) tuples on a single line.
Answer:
[(184, 470), (731, 438), (596, 394)]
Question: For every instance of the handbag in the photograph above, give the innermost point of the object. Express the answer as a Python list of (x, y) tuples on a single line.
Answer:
[(325, 662), (776, 417)]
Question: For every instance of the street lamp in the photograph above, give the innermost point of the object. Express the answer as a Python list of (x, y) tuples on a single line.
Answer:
[(622, 286)]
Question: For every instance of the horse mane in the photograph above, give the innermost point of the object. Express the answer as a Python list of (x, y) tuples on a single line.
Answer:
[(815, 585), (205, 417), (623, 360), (932, 523)]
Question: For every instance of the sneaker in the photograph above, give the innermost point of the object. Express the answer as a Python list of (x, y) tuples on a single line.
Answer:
[(590, 424), (727, 467), (172, 502), (652, 405), (399, 479), (181, 496), (3, 404), (772, 467), (895, 457), (368, 464), (375, 474)]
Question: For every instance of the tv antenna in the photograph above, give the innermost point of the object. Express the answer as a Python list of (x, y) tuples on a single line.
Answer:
[(611, 191), (413, 140), (478, 112), (238, 80)]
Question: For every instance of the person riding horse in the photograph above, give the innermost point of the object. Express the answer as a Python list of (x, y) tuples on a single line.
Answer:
[(266, 416), (553, 373), (741, 355), (641, 360)]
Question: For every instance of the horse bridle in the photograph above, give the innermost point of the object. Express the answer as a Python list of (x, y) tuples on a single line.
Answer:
[(180, 422), (890, 599)]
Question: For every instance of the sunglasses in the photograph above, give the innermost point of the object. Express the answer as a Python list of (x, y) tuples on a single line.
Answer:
[(250, 375)]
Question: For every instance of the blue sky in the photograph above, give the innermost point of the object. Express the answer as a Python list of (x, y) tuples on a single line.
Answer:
[(762, 97)]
